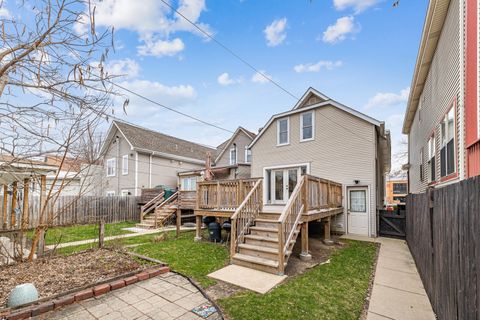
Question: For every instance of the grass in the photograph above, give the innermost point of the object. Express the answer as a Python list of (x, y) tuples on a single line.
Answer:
[(83, 232), (194, 259), (331, 291)]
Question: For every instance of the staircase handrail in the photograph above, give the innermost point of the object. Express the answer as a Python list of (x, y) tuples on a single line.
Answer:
[(147, 207)]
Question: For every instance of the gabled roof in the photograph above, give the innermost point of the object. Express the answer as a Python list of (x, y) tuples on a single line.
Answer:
[(299, 108), (307, 97), (223, 146), (432, 29), (149, 141)]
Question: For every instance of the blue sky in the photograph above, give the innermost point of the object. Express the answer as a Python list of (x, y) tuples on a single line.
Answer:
[(358, 52)]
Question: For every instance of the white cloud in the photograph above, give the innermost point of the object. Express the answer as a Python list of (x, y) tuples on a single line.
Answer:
[(386, 99), (4, 13), (127, 67), (225, 80), (261, 77), (161, 48), (151, 19), (316, 67), (357, 5), (275, 32), (340, 30)]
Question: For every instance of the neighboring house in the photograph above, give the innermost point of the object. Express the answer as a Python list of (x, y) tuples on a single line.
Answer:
[(396, 191), (136, 158), (332, 141), (232, 160), (442, 117)]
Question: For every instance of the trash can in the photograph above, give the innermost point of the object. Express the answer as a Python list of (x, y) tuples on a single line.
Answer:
[(168, 192), (227, 226), (208, 220), (215, 232)]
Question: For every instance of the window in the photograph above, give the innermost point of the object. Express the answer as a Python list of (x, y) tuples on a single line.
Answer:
[(431, 157), (125, 193), (422, 161), (307, 126), (358, 201), (110, 193), (447, 151), (399, 188), (188, 184), (282, 132), (125, 164), (248, 155), (111, 164), (233, 155)]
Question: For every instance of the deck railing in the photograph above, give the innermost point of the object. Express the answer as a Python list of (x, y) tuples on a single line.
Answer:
[(151, 205), (223, 194), (245, 215), (322, 193)]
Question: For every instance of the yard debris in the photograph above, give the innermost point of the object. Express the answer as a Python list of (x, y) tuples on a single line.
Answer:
[(62, 273)]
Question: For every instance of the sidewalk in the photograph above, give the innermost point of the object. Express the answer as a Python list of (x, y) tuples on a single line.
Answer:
[(398, 291), (140, 232)]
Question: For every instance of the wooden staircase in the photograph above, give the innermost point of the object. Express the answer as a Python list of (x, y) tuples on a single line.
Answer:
[(260, 249), (157, 212)]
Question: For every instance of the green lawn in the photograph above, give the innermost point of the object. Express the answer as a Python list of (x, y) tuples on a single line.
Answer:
[(331, 291), (83, 232)]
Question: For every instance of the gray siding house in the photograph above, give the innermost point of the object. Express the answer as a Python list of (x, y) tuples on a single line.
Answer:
[(322, 137), (136, 158)]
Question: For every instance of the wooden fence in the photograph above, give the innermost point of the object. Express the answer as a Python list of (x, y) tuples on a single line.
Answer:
[(68, 210), (443, 233)]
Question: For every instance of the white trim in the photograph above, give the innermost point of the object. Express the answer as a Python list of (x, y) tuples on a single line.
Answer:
[(461, 99), (114, 166), (231, 160), (136, 173), (286, 166), (332, 103), (110, 193), (124, 172), (367, 201), (108, 138), (306, 94), (231, 140), (312, 112), (288, 132), (124, 192), (170, 156), (150, 170), (247, 152)]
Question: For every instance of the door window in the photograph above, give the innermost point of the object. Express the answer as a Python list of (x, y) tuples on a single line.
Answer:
[(279, 185), (292, 180), (358, 201)]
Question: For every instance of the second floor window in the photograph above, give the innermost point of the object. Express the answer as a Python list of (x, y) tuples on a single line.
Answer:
[(282, 131), (306, 126), (125, 164), (111, 164), (399, 188), (248, 155), (447, 151), (233, 155), (431, 157)]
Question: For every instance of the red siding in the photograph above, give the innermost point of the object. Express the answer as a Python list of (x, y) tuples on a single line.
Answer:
[(471, 88)]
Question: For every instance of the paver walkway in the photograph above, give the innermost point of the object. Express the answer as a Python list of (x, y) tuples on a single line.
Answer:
[(398, 291), (139, 232), (168, 296)]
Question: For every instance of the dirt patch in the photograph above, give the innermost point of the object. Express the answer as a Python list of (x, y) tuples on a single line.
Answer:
[(61, 273), (222, 290)]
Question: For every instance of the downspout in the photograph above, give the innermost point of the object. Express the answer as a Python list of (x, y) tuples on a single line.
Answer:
[(150, 171), (117, 164), (136, 173), (461, 102)]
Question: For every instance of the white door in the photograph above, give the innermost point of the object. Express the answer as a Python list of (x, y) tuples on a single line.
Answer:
[(283, 181), (358, 210)]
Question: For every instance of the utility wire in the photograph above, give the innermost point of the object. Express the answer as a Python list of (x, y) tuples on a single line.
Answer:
[(230, 51)]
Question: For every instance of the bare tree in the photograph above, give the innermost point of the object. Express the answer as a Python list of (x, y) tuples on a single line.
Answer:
[(54, 91)]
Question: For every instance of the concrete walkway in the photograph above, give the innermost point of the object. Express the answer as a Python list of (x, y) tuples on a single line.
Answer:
[(138, 232), (168, 296), (398, 291)]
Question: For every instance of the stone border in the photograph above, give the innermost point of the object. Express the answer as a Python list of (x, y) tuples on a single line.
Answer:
[(83, 294)]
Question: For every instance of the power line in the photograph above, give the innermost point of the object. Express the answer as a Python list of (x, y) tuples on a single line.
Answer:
[(230, 50)]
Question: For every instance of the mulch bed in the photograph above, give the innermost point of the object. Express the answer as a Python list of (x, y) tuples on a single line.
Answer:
[(62, 273)]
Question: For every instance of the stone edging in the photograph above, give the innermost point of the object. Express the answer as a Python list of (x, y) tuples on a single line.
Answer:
[(94, 291)]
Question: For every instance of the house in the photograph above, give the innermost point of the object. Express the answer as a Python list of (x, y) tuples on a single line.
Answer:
[(136, 158), (320, 161), (396, 190), (327, 139), (442, 116), (232, 160)]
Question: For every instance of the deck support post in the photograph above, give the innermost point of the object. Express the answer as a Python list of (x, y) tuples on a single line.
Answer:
[(326, 229), (305, 255), (198, 229), (179, 221)]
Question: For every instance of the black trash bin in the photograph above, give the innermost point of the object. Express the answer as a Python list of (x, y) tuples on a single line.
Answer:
[(215, 232), (208, 220), (227, 226)]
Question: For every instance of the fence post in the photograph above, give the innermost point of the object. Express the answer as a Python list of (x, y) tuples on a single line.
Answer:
[(218, 195), (5, 203), (13, 221), (101, 233), (41, 242)]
